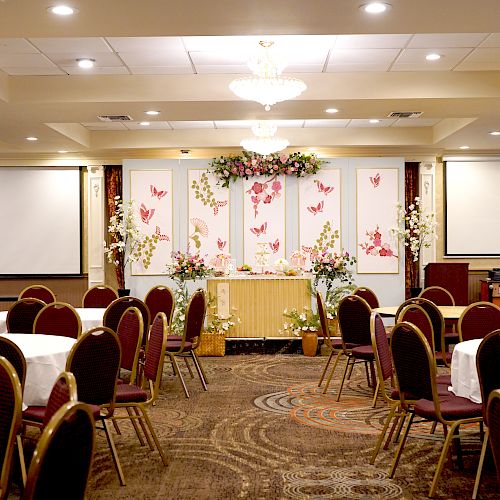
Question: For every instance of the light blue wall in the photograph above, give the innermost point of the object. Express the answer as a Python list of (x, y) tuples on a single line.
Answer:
[(388, 287)]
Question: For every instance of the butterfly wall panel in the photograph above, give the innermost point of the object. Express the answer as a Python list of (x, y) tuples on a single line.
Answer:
[(376, 200), (151, 191), (208, 215), (319, 212), (264, 218)]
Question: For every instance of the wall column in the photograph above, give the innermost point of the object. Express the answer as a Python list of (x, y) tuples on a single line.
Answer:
[(427, 190)]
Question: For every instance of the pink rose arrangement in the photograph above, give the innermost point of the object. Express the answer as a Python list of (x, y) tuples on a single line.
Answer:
[(328, 267), (188, 267)]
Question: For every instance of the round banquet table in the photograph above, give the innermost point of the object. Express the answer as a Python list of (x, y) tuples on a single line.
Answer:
[(448, 312), (46, 357), (464, 378)]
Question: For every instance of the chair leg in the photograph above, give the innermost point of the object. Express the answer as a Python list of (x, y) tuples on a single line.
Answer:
[(117, 428), (134, 424), (442, 458), (176, 369), (198, 369), (153, 434), (480, 466), (380, 439), (188, 367), (433, 428), (399, 450), (343, 377), (398, 423), (201, 367), (22, 463), (332, 371), (323, 373), (375, 394), (114, 454)]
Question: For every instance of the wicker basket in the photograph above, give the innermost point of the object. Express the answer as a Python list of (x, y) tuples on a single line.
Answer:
[(212, 344)]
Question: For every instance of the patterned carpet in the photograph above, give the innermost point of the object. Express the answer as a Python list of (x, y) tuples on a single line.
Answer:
[(265, 431)]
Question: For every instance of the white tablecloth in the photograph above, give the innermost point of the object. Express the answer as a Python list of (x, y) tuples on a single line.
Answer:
[(46, 357), (90, 316), (464, 378)]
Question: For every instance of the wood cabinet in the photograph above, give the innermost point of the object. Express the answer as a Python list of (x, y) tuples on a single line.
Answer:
[(452, 276)]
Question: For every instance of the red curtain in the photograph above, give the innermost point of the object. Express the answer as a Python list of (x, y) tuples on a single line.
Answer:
[(113, 184), (411, 190)]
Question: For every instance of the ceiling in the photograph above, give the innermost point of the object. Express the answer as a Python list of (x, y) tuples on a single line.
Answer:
[(179, 57)]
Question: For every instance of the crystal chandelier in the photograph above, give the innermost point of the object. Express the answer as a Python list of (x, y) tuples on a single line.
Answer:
[(264, 142), (267, 86)]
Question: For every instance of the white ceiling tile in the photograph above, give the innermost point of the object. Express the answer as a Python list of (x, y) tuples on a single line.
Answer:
[(414, 59), (161, 70), (234, 123), (222, 43), (436, 40), (304, 68), (224, 69), (481, 60), (288, 123), (16, 46), (104, 125), (155, 58), (70, 45), (361, 59), (52, 70), (218, 58), (365, 122), (371, 41), (146, 44), (416, 122), (493, 40), (365, 67), (105, 70), (326, 123), (182, 125), (153, 125), (102, 59), (24, 61)]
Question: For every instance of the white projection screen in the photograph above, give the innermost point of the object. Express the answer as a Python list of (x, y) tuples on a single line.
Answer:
[(40, 221), (472, 208)]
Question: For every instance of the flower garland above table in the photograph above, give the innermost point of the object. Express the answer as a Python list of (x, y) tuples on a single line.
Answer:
[(246, 165)]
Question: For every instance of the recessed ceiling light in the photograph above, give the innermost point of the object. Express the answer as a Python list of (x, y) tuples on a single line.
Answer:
[(374, 120), (375, 7), (144, 124), (495, 132), (62, 151), (433, 57), (85, 62), (62, 10), (152, 112), (331, 110), (31, 138), (464, 147)]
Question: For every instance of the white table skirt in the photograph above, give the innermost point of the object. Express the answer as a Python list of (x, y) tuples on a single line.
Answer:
[(90, 316), (464, 377), (46, 357)]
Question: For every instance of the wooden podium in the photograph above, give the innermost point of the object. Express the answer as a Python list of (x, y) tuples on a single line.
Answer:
[(452, 276)]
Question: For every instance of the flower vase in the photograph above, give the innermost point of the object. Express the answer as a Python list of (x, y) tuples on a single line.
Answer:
[(123, 292), (309, 343)]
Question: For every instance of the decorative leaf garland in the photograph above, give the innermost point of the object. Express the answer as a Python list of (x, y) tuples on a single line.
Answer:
[(246, 165)]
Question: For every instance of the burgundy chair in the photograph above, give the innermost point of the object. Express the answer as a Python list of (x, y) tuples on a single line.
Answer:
[(10, 420), (60, 319), (130, 332), (368, 295), (478, 320), (22, 314), (493, 412), (439, 295), (416, 378), (115, 310), (193, 326), (63, 457), (99, 296), (94, 360), (133, 397), (487, 356), (38, 292), (15, 356), (354, 323), (63, 391), (160, 299)]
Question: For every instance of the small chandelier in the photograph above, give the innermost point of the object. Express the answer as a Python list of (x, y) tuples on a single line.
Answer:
[(267, 86), (264, 142)]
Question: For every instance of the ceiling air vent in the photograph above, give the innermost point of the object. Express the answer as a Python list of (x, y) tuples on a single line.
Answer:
[(115, 118), (405, 114)]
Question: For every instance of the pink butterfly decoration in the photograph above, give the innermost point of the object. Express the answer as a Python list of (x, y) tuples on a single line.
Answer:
[(275, 246), (218, 205), (156, 192), (221, 244), (316, 209), (161, 237), (375, 180), (324, 189), (146, 214), (259, 230)]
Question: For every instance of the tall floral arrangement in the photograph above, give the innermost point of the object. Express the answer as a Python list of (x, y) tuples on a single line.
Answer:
[(247, 165), (126, 242), (299, 322), (329, 267)]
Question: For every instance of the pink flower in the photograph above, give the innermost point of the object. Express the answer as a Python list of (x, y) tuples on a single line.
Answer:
[(276, 186), (257, 187), (248, 171), (268, 199), (234, 170)]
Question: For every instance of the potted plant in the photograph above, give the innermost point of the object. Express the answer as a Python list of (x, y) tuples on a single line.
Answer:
[(213, 339), (303, 324), (126, 243)]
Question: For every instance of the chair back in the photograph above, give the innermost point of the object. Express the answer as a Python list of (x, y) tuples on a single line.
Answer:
[(413, 362), (320, 304), (63, 391), (99, 296), (381, 351), (354, 320), (416, 315), (10, 419), (10, 351), (115, 310), (155, 354), (195, 318), (38, 292), (94, 360), (63, 456), (130, 333), (160, 299), (367, 294), (60, 319), (478, 320), (22, 314), (487, 356), (493, 412), (439, 295)]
